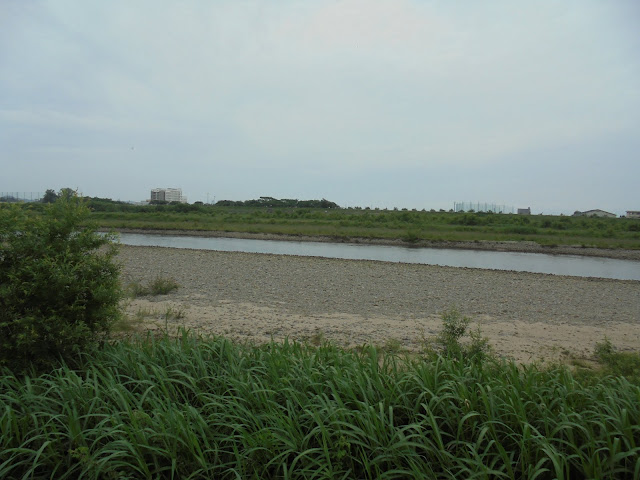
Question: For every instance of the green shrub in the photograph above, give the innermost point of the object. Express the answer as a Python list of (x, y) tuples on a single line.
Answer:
[(448, 342), (59, 285)]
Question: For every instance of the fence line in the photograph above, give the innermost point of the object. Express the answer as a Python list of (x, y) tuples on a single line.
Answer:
[(21, 196)]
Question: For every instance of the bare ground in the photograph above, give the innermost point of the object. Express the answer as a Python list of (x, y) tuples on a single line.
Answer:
[(257, 297)]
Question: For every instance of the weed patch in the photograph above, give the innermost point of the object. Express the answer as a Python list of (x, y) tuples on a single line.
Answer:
[(163, 286), (158, 286), (626, 364)]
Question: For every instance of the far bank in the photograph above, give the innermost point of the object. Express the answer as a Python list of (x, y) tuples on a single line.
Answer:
[(574, 235)]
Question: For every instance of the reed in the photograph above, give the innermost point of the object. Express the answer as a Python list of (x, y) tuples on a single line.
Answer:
[(207, 408)]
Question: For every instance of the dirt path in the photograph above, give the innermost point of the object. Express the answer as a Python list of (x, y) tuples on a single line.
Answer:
[(257, 297)]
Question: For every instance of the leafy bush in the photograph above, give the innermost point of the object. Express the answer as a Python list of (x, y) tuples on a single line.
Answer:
[(448, 342), (59, 285)]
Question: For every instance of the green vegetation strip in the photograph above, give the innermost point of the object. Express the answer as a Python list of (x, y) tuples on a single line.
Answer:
[(324, 218), (208, 408), (411, 226)]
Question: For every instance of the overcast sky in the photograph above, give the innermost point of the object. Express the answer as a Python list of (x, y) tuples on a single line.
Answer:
[(380, 103)]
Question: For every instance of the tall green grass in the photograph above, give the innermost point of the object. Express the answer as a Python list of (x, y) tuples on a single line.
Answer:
[(196, 408)]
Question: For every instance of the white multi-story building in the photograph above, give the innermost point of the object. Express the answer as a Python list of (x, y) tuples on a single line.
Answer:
[(168, 195)]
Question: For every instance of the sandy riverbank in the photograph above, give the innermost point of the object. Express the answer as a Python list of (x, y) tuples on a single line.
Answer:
[(257, 297), (527, 247)]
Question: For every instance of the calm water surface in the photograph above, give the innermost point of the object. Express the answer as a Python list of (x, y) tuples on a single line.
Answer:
[(573, 265)]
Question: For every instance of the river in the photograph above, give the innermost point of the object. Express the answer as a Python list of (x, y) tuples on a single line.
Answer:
[(572, 265)]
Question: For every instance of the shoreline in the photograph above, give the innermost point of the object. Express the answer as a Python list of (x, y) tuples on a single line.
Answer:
[(486, 245)]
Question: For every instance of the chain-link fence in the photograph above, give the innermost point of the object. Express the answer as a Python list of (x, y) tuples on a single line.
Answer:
[(21, 196)]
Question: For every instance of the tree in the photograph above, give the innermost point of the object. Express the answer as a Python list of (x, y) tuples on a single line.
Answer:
[(50, 196), (59, 285), (67, 192)]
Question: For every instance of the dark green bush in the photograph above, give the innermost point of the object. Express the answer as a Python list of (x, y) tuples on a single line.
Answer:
[(59, 285)]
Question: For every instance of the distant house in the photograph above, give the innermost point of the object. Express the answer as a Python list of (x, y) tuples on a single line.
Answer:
[(524, 211), (633, 213), (594, 213)]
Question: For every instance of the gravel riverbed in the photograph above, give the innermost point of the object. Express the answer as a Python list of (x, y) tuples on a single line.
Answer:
[(256, 297)]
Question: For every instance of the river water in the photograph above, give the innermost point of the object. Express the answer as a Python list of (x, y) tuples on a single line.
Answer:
[(572, 265)]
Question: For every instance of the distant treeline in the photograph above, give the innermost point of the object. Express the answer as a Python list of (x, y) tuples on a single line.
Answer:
[(107, 205), (276, 203)]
